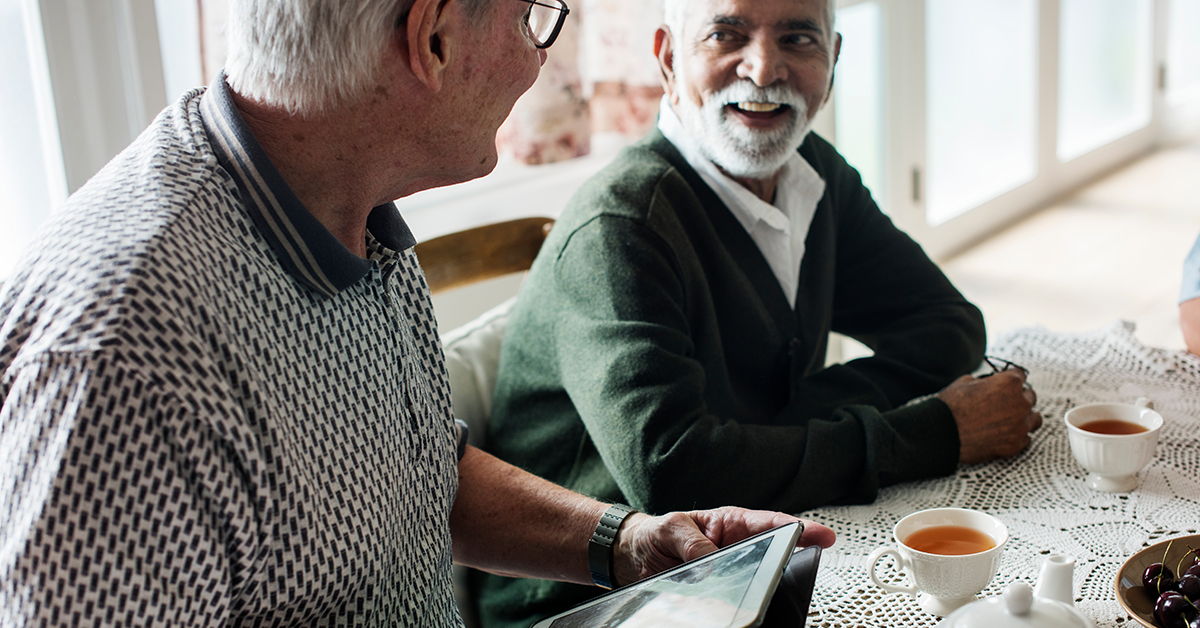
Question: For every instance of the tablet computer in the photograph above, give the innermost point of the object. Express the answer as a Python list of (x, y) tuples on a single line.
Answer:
[(729, 588)]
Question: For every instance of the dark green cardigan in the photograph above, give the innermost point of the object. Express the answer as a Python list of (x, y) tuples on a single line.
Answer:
[(652, 357)]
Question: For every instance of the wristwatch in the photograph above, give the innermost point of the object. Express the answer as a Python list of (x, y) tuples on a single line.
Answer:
[(600, 552)]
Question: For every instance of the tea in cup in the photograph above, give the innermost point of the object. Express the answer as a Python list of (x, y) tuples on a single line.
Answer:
[(949, 554), (1113, 441)]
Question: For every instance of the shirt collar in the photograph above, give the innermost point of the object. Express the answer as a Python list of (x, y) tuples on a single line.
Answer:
[(799, 184), (304, 246)]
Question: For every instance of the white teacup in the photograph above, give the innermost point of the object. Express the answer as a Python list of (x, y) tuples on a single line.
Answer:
[(1113, 460), (942, 582)]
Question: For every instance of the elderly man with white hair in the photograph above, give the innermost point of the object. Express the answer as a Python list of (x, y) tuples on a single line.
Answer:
[(667, 349), (224, 399)]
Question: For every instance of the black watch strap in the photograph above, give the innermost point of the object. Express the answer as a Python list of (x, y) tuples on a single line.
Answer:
[(600, 548)]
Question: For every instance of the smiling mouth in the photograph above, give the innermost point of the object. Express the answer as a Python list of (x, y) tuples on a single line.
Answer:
[(758, 107)]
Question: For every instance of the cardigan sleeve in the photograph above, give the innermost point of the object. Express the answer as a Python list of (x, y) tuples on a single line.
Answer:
[(633, 361), (889, 295)]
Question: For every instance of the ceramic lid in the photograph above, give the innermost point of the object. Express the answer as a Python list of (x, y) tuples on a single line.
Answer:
[(1017, 608)]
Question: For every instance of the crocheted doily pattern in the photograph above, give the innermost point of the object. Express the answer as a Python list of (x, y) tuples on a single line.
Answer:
[(1040, 494)]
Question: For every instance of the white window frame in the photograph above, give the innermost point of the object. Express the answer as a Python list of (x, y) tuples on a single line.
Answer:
[(906, 131)]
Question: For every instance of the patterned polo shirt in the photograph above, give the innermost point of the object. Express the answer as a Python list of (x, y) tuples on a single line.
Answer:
[(215, 414)]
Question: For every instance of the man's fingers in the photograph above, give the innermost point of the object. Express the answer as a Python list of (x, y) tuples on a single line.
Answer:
[(816, 534), (1033, 421), (730, 525), (1030, 394)]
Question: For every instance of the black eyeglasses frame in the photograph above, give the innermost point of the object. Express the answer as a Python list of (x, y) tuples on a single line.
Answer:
[(563, 12), (999, 365)]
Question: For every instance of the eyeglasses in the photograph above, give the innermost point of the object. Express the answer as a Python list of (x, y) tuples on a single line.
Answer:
[(999, 365), (545, 18)]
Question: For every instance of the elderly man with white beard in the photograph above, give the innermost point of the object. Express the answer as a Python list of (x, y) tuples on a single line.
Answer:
[(667, 349)]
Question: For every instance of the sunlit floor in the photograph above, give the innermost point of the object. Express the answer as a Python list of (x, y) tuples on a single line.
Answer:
[(1113, 250)]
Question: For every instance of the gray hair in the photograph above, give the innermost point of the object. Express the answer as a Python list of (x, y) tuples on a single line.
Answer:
[(309, 56), (675, 14)]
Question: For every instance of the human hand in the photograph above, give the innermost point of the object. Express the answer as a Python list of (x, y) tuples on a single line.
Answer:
[(994, 414), (648, 545), (1189, 324)]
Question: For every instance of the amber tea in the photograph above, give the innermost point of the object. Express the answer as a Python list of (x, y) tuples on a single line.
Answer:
[(950, 540), (1113, 426)]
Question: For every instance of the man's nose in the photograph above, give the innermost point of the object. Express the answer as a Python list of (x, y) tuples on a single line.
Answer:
[(762, 63), (542, 56)]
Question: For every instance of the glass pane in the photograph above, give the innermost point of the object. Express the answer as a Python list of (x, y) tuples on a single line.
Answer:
[(1183, 47), (1104, 72), (981, 82), (858, 94), (25, 188), (179, 44)]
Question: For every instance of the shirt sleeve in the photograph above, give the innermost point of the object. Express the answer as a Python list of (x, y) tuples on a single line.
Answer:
[(117, 503), (1190, 288), (462, 433)]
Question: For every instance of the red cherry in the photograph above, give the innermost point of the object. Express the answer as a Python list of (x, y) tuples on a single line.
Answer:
[(1169, 610), (1158, 579), (1189, 586)]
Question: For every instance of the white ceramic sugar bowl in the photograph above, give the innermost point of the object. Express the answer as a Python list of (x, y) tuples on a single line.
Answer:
[(1019, 606)]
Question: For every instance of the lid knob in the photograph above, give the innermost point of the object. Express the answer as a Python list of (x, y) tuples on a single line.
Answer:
[(1018, 599)]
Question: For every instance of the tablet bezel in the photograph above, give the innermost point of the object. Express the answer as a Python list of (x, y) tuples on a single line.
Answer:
[(761, 588)]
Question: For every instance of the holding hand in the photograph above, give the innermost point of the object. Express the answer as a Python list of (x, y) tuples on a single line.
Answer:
[(994, 414), (648, 545)]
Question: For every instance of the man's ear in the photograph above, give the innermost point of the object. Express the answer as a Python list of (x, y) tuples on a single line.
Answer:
[(664, 51), (837, 52), (430, 30)]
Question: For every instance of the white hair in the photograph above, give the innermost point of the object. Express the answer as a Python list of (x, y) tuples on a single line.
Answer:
[(309, 56), (675, 14)]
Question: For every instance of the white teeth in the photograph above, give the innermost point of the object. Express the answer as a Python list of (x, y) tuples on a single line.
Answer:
[(758, 107)]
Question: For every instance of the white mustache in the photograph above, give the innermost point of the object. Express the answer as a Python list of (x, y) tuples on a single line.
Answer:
[(747, 92)]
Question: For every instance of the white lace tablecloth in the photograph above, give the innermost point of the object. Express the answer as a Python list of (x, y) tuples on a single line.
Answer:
[(1040, 494)]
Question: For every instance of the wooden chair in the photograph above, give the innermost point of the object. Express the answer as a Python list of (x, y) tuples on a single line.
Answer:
[(472, 351), (484, 252)]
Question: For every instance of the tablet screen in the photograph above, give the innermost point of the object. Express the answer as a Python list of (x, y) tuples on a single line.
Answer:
[(726, 589)]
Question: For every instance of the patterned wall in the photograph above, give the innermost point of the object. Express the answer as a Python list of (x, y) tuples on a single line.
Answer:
[(601, 77)]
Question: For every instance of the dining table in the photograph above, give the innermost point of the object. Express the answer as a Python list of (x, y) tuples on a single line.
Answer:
[(1039, 494)]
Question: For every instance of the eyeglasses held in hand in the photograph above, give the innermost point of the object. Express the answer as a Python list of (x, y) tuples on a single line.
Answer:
[(999, 365), (545, 19)]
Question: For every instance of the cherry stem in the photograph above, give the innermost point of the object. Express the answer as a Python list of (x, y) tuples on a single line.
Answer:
[(1179, 565)]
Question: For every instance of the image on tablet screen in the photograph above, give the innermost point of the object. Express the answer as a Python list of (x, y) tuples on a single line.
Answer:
[(707, 595)]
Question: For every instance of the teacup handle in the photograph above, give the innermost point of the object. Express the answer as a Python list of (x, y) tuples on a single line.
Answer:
[(1143, 402), (901, 564)]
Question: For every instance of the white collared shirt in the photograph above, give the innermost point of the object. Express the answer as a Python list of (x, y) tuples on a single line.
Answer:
[(778, 229)]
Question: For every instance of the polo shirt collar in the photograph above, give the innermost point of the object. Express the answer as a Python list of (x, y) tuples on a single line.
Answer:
[(306, 249)]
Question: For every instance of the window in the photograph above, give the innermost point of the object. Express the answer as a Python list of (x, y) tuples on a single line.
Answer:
[(1183, 49), (1105, 64), (31, 175), (859, 99), (981, 100)]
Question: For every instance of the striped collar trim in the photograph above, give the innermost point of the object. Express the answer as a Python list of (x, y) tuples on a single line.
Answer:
[(305, 247)]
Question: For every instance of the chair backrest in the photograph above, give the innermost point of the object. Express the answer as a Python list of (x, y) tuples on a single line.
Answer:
[(484, 252)]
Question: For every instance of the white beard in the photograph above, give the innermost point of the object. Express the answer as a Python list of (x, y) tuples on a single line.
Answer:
[(735, 148)]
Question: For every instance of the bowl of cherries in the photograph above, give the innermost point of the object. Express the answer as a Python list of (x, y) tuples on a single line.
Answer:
[(1160, 585)]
